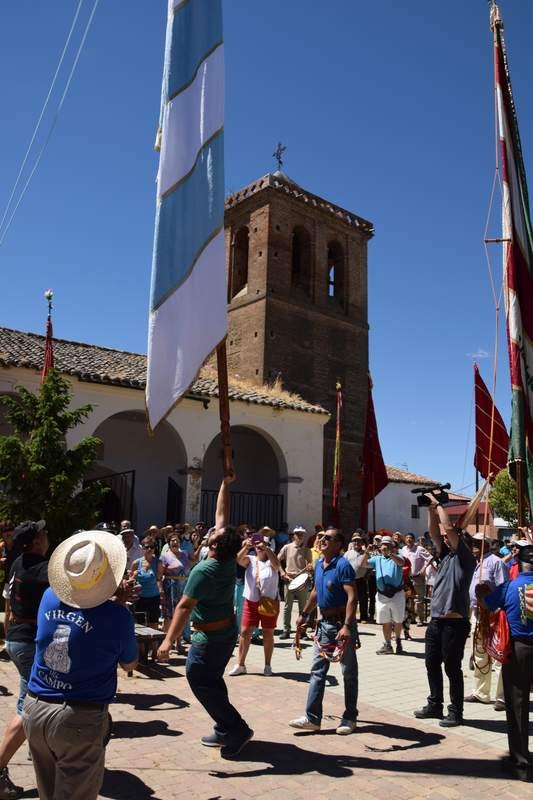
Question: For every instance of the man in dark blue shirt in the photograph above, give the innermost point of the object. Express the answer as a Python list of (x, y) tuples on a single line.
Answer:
[(336, 596), (516, 599), (81, 637)]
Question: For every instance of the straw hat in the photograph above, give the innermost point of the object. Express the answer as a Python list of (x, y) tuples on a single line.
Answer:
[(85, 570)]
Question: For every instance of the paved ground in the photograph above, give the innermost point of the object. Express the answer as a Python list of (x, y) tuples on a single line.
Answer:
[(155, 753)]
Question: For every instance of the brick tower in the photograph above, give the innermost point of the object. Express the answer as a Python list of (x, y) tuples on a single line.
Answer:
[(297, 294)]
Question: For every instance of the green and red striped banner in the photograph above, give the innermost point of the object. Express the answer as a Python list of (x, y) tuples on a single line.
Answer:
[(518, 265), (337, 470)]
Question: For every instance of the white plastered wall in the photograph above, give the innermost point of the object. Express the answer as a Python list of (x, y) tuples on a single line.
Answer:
[(296, 435)]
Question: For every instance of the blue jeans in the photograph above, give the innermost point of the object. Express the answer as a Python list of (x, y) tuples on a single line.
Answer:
[(327, 633), (238, 601), (205, 672), (22, 655)]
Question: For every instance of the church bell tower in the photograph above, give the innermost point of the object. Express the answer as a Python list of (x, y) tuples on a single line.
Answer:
[(297, 311)]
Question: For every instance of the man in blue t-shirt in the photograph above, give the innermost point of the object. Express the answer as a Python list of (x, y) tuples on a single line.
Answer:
[(516, 599), (390, 599), (336, 596), (81, 637)]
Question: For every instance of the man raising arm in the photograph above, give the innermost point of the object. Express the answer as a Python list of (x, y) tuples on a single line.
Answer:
[(208, 599)]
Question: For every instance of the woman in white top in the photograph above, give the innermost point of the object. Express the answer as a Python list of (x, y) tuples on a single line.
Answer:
[(261, 600)]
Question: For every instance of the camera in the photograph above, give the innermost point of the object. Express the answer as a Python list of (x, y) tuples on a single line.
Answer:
[(439, 493)]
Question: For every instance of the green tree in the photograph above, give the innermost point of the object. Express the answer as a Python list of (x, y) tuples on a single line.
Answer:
[(503, 498), (40, 477)]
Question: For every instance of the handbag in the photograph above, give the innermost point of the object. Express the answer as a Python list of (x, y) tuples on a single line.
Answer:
[(268, 606), (390, 591), (498, 645)]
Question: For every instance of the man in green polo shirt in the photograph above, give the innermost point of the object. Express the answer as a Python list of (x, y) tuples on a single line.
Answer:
[(208, 600)]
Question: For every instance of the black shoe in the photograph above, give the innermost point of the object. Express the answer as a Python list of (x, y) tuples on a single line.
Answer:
[(429, 712), (213, 740), (520, 773), (385, 650), (8, 790), (451, 721), (233, 748), (285, 635), (399, 648)]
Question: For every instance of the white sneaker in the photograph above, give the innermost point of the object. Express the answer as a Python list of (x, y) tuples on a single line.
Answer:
[(303, 724), (347, 726), (268, 670), (238, 670)]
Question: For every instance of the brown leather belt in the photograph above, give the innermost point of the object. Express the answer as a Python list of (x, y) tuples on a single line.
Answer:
[(59, 701), (217, 625), (335, 614)]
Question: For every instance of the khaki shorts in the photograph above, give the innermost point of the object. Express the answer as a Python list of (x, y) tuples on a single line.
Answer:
[(390, 609)]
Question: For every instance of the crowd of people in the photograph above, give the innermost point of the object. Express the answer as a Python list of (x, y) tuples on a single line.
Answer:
[(70, 622)]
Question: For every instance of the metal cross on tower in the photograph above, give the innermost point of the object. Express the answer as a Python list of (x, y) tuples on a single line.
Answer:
[(278, 154)]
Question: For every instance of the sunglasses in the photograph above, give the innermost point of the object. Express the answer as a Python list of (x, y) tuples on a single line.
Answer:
[(325, 538), (148, 547)]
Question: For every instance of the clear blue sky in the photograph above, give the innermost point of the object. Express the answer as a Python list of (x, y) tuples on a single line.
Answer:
[(386, 109)]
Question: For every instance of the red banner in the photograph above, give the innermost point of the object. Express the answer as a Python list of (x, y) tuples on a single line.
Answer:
[(492, 440), (374, 470), (337, 467)]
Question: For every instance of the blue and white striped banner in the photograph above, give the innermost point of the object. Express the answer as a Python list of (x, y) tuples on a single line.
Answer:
[(188, 294)]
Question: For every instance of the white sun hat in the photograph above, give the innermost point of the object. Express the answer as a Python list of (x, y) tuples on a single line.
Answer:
[(85, 570)]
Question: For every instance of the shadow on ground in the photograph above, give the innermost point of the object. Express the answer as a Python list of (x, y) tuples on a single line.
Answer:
[(289, 759), (411, 654), (149, 702), (121, 785), (303, 677), (492, 725), (123, 729), (414, 736), (158, 672)]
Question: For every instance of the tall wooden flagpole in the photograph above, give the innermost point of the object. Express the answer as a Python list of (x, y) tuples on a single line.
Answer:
[(223, 406)]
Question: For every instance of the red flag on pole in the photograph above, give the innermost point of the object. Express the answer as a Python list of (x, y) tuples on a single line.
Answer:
[(492, 440), (48, 344), (374, 470), (337, 468)]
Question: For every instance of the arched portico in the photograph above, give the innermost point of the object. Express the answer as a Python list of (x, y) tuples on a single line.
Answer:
[(146, 472), (259, 493)]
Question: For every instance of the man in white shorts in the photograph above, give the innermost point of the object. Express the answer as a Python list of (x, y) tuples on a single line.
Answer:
[(390, 598)]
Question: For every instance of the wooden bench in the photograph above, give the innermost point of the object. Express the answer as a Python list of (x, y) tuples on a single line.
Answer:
[(145, 637)]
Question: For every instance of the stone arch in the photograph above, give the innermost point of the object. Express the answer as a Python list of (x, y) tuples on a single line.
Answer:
[(336, 271), (152, 467), (259, 493), (301, 266), (239, 263)]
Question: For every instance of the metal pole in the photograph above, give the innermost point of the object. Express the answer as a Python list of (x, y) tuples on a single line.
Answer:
[(477, 509), (373, 503)]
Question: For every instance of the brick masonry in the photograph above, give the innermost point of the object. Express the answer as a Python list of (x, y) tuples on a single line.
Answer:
[(307, 338)]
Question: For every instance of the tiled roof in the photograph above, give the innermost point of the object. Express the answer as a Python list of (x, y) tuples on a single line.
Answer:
[(93, 364), (282, 183), (396, 475)]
